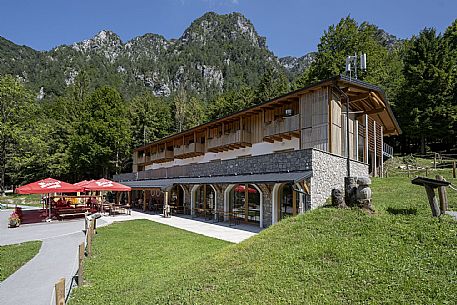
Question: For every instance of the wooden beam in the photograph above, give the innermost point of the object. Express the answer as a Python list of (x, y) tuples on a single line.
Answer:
[(375, 101), (378, 99), (295, 134), (330, 120), (286, 136), (360, 97), (374, 111), (390, 131), (267, 139), (354, 89), (246, 202), (277, 138)]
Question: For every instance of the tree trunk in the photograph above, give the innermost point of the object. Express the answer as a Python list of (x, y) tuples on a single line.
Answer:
[(423, 144)]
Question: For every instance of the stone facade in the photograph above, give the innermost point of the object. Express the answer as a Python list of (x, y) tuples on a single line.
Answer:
[(187, 195), (329, 171), (278, 162), (267, 202), (220, 195), (298, 160)]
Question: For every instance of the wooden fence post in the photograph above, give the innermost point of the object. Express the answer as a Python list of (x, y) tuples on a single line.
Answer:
[(453, 169), (442, 195), (426, 172), (434, 162), (60, 292), (432, 201), (89, 236), (80, 264)]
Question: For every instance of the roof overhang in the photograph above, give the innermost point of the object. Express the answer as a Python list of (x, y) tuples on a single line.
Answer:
[(165, 184), (370, 100)]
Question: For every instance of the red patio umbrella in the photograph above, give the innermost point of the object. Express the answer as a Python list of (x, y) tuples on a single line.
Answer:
[(83, 183), (241, 188), (106, 185), (48, 185)]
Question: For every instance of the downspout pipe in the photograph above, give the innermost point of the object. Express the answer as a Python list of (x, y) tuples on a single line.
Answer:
[(348, 161)]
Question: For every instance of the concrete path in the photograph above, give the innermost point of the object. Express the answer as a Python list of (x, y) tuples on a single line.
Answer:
[(34, 282), (452, 214), (39, 231), (222, 231)]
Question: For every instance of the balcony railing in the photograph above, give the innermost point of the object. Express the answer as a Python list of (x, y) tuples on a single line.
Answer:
[(387, 150), (282, 126), (162, 156), (239, 138), (190, 150)]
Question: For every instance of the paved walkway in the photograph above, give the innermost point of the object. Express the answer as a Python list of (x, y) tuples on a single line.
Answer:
[(34, 282), (222, 231), (452, 214)]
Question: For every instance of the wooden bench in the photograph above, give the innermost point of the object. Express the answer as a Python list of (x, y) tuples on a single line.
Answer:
[(430, 185), (70, 212), (230, 217), (207, 214)]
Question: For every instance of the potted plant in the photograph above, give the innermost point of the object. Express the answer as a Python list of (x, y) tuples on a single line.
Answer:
[(14, 220)]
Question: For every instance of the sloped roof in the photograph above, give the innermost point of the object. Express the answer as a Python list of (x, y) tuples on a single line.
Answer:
[(233, 179)]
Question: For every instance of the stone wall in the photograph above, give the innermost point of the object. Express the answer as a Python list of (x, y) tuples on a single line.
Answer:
[(267, 202), (329, 171), (220, 195), (297, 160)]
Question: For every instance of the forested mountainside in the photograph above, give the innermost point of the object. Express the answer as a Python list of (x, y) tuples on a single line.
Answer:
[(215, 53), (76, 111)]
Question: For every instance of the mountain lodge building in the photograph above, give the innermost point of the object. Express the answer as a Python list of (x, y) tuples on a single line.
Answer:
[(273, 160)]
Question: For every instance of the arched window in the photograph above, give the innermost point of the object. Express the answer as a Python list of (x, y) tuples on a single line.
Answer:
[(205, 198), (177, 196), (289, 201), (245, 203)]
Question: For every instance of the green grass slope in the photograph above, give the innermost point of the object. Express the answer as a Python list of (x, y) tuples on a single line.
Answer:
[(400, 255), (13, 257)]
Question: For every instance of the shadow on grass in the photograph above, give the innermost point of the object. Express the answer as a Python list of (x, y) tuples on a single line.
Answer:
[(396, 211)]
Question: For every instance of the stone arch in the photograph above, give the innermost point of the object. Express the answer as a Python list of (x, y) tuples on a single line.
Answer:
[(192, 198), (261, 195), (276, 200)]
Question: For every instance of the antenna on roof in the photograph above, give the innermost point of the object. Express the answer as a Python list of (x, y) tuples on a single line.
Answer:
[(351, 64), (363, 62)]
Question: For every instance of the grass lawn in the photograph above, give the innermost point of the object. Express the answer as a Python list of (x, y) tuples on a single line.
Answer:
[(135, 259), (400, 255), (12, 257), (11, 200)]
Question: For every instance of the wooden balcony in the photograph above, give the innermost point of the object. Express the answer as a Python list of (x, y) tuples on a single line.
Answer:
[(164, 156), (140, 160), (283, 128), (233, 140), (189, 151)]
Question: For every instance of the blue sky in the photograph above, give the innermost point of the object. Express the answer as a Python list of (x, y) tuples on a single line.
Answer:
[(291, 27)]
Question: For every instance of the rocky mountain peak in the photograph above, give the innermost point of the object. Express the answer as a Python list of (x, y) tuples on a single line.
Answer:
[(296, 65), (226, 27), (106, 43)]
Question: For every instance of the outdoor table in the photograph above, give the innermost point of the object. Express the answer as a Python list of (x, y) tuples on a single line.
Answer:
[(205, 213)]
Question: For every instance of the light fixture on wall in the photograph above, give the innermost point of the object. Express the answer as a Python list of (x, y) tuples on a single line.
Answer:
[(288, 112)]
